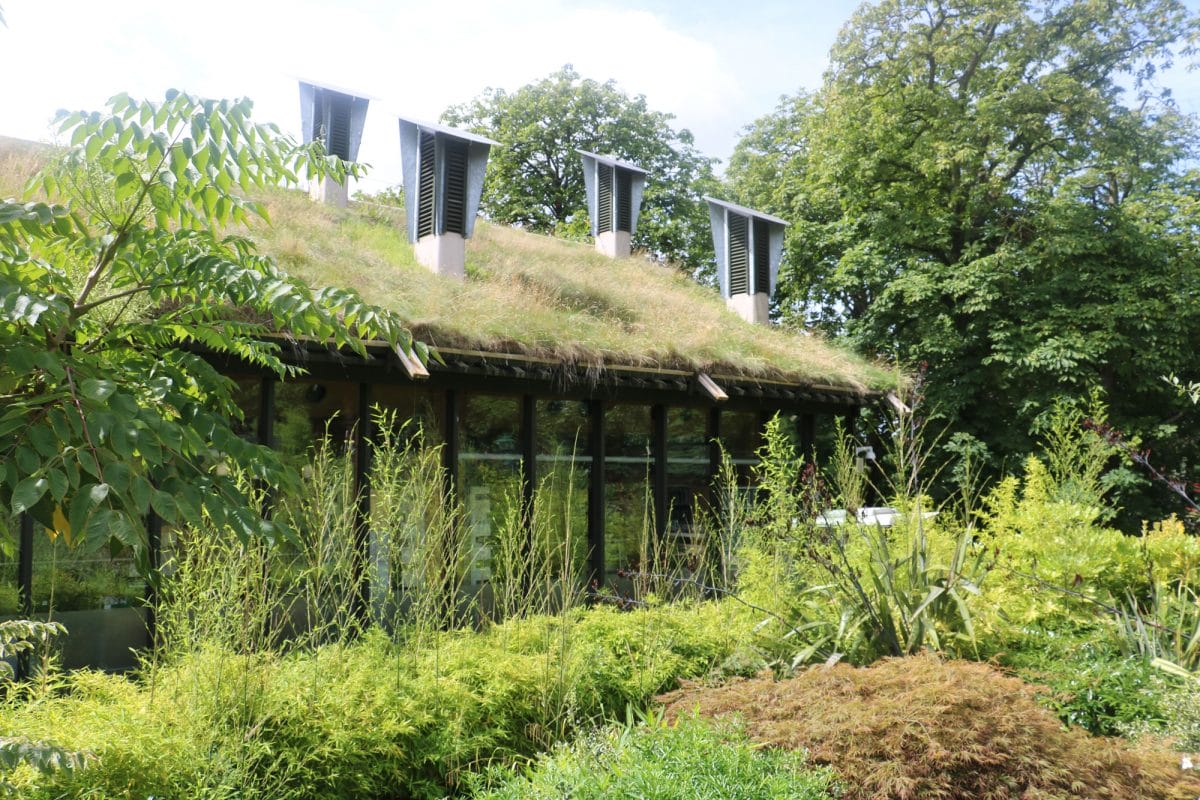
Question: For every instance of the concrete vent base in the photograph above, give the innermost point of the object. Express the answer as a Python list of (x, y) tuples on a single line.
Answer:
[(329, 191), (444, 255), (614, 244), (751, 307)]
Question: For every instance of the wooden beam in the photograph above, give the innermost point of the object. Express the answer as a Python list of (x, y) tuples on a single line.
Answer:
[(450, 443), (898, 404), (711, 388), (154, 540), (411, 364), (529, 476)]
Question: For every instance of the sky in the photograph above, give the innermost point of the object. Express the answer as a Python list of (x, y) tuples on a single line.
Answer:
[(714, 64)]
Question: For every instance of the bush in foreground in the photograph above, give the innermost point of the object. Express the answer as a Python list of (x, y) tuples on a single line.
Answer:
[(920, 727), (687, 761), (363, 720)]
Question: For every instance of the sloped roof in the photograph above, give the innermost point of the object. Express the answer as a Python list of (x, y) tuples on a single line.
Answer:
[(533, 296)]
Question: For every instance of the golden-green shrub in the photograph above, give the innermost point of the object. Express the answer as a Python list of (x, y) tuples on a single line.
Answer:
[(1041, 540), (371, 718)]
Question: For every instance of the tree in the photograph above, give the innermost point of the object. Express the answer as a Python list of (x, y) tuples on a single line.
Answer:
[(535, 180), (107, 411), (997, 189)]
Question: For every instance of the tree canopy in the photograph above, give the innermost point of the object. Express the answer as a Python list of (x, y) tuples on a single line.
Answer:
[(996, 188), (108, 292), (535, 180)]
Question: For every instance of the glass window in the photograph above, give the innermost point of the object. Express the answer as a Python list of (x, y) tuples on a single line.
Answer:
[(563, 472), (741, 436), (489, 476), (306, 411), (688, 474), (247, 394), (93, 588), (416, 411), (628, 490)]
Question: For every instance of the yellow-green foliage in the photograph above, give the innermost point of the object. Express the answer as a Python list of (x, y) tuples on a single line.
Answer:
[(368, 719), (1036, 536), (1173, 553)]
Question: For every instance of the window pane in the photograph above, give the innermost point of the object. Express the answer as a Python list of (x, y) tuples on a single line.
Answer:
[(93, 589), (489, 476), (416, 411), (688, 469), (628, 498), (563, 472)]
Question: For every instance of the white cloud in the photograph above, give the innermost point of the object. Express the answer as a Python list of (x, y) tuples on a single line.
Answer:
[(417, 58)]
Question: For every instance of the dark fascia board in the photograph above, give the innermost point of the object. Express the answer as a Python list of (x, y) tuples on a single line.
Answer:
[(433, 127), (382, 365), (530, 370), (613, 162), (749, 212)]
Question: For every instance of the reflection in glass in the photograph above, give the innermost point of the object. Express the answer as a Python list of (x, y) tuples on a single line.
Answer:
[(563, 470), (489, 476), (94, 589), (688, 468), (628, 496)]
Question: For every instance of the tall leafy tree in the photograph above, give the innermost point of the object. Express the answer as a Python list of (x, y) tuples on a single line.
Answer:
[(536, 180), (998, 189), (107, 411)]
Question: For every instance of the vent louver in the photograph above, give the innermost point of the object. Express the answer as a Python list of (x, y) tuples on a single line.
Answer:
[(614, 195), (427, 171), (335, 118), (739, 254), (762, 257), (604, 197), (624, 199), (443, 181), (749, 245), (455, 208), (338, 125)]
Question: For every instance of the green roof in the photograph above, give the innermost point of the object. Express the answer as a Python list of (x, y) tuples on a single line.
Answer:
[(531, 295)]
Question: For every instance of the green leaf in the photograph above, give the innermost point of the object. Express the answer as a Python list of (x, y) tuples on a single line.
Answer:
[(28, 493), (164, 506), (97, 390)]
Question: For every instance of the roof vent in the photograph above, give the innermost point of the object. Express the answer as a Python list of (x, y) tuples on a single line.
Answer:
[(443, 181), (749, 245), (335, 118), (614, 194)]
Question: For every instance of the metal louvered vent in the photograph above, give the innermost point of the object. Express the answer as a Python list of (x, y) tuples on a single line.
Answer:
[(604, 199), (454, 218), (624, 200), (739, 254), (762, 257), (425, 175), (337, 118)]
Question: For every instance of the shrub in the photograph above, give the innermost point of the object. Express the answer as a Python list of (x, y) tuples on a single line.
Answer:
[(921, 727), (366, 719), (1088, 682), (687, 761), (1040, 538)]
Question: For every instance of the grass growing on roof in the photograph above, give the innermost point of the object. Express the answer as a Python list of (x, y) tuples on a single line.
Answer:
[(537, 295), (526, 293)]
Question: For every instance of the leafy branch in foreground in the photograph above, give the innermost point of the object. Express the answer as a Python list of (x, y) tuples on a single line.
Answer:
[(112, 293)]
